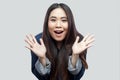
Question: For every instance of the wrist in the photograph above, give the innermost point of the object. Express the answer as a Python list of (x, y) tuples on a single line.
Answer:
[(42, 60), (74, 59), (75, 56)]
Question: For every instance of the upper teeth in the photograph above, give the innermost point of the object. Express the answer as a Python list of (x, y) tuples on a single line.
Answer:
[(58, 32)]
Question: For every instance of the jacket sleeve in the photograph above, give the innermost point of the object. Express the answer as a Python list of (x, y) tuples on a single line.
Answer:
[(34, 71), (43, 69), (74, 70), (34, 59), (81, 73)]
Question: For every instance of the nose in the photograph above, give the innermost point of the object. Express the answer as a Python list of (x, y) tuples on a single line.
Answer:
[(58, 24)]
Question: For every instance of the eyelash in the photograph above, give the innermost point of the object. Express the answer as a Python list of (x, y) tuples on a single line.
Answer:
[(53, 20), (64, 20)]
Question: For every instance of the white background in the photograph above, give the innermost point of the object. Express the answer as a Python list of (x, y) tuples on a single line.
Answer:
[(21, 17)]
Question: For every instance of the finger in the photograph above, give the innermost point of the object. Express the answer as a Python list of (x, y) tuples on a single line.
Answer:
[(84, 39), (33, 37), (28, 42), (90, 45), (29, 38), (41, 41), (28, 47), (77, 39), (90, 37), (90, 41)]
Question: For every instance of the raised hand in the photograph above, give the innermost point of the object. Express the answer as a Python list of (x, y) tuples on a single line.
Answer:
[(79, 47), (38, 49)]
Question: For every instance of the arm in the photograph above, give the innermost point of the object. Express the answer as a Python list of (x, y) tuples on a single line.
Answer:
[(80, 48), (77, 73), (43, 69), (34, 59), (74, 69), (38, 49)]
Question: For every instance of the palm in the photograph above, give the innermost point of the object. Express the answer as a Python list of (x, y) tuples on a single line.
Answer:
[(79, 47), (38, 49)]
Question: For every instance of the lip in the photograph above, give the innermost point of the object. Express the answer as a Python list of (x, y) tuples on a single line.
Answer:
[(58, 31)]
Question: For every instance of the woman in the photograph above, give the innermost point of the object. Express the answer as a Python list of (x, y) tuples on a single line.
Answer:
[(59, 53)]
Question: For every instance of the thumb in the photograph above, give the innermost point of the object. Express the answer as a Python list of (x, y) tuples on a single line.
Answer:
[(41, 41), (77, 39)]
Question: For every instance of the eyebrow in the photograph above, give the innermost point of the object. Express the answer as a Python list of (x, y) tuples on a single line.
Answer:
[(56, 17)]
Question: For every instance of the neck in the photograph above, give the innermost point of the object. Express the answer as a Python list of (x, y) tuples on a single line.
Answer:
[(59, 44)]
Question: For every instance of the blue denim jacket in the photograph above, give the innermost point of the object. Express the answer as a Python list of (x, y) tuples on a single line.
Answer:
[(34, 59)]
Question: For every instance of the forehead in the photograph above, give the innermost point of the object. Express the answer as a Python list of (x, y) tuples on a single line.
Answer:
[(58, 12)]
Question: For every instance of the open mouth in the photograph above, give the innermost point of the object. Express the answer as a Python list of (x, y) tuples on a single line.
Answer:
[(58, 31)]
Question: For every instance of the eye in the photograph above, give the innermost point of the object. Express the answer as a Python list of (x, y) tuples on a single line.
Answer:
[(64, 20), (53, 20)]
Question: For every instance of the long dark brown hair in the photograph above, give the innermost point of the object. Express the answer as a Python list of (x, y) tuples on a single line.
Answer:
[(59, 57)]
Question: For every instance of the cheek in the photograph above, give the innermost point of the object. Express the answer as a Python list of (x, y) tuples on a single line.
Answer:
[(51, 24), (50, 28), (66, 27)]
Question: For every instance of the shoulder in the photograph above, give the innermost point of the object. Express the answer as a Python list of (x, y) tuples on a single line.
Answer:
[(38, 36)]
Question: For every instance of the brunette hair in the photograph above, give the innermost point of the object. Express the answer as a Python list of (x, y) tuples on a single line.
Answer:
[(59, 57)]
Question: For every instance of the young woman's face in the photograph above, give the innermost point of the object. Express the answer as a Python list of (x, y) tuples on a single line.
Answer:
[(58, 24)]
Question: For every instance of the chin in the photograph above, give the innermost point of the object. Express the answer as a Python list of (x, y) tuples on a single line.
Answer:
[(58, 39)]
